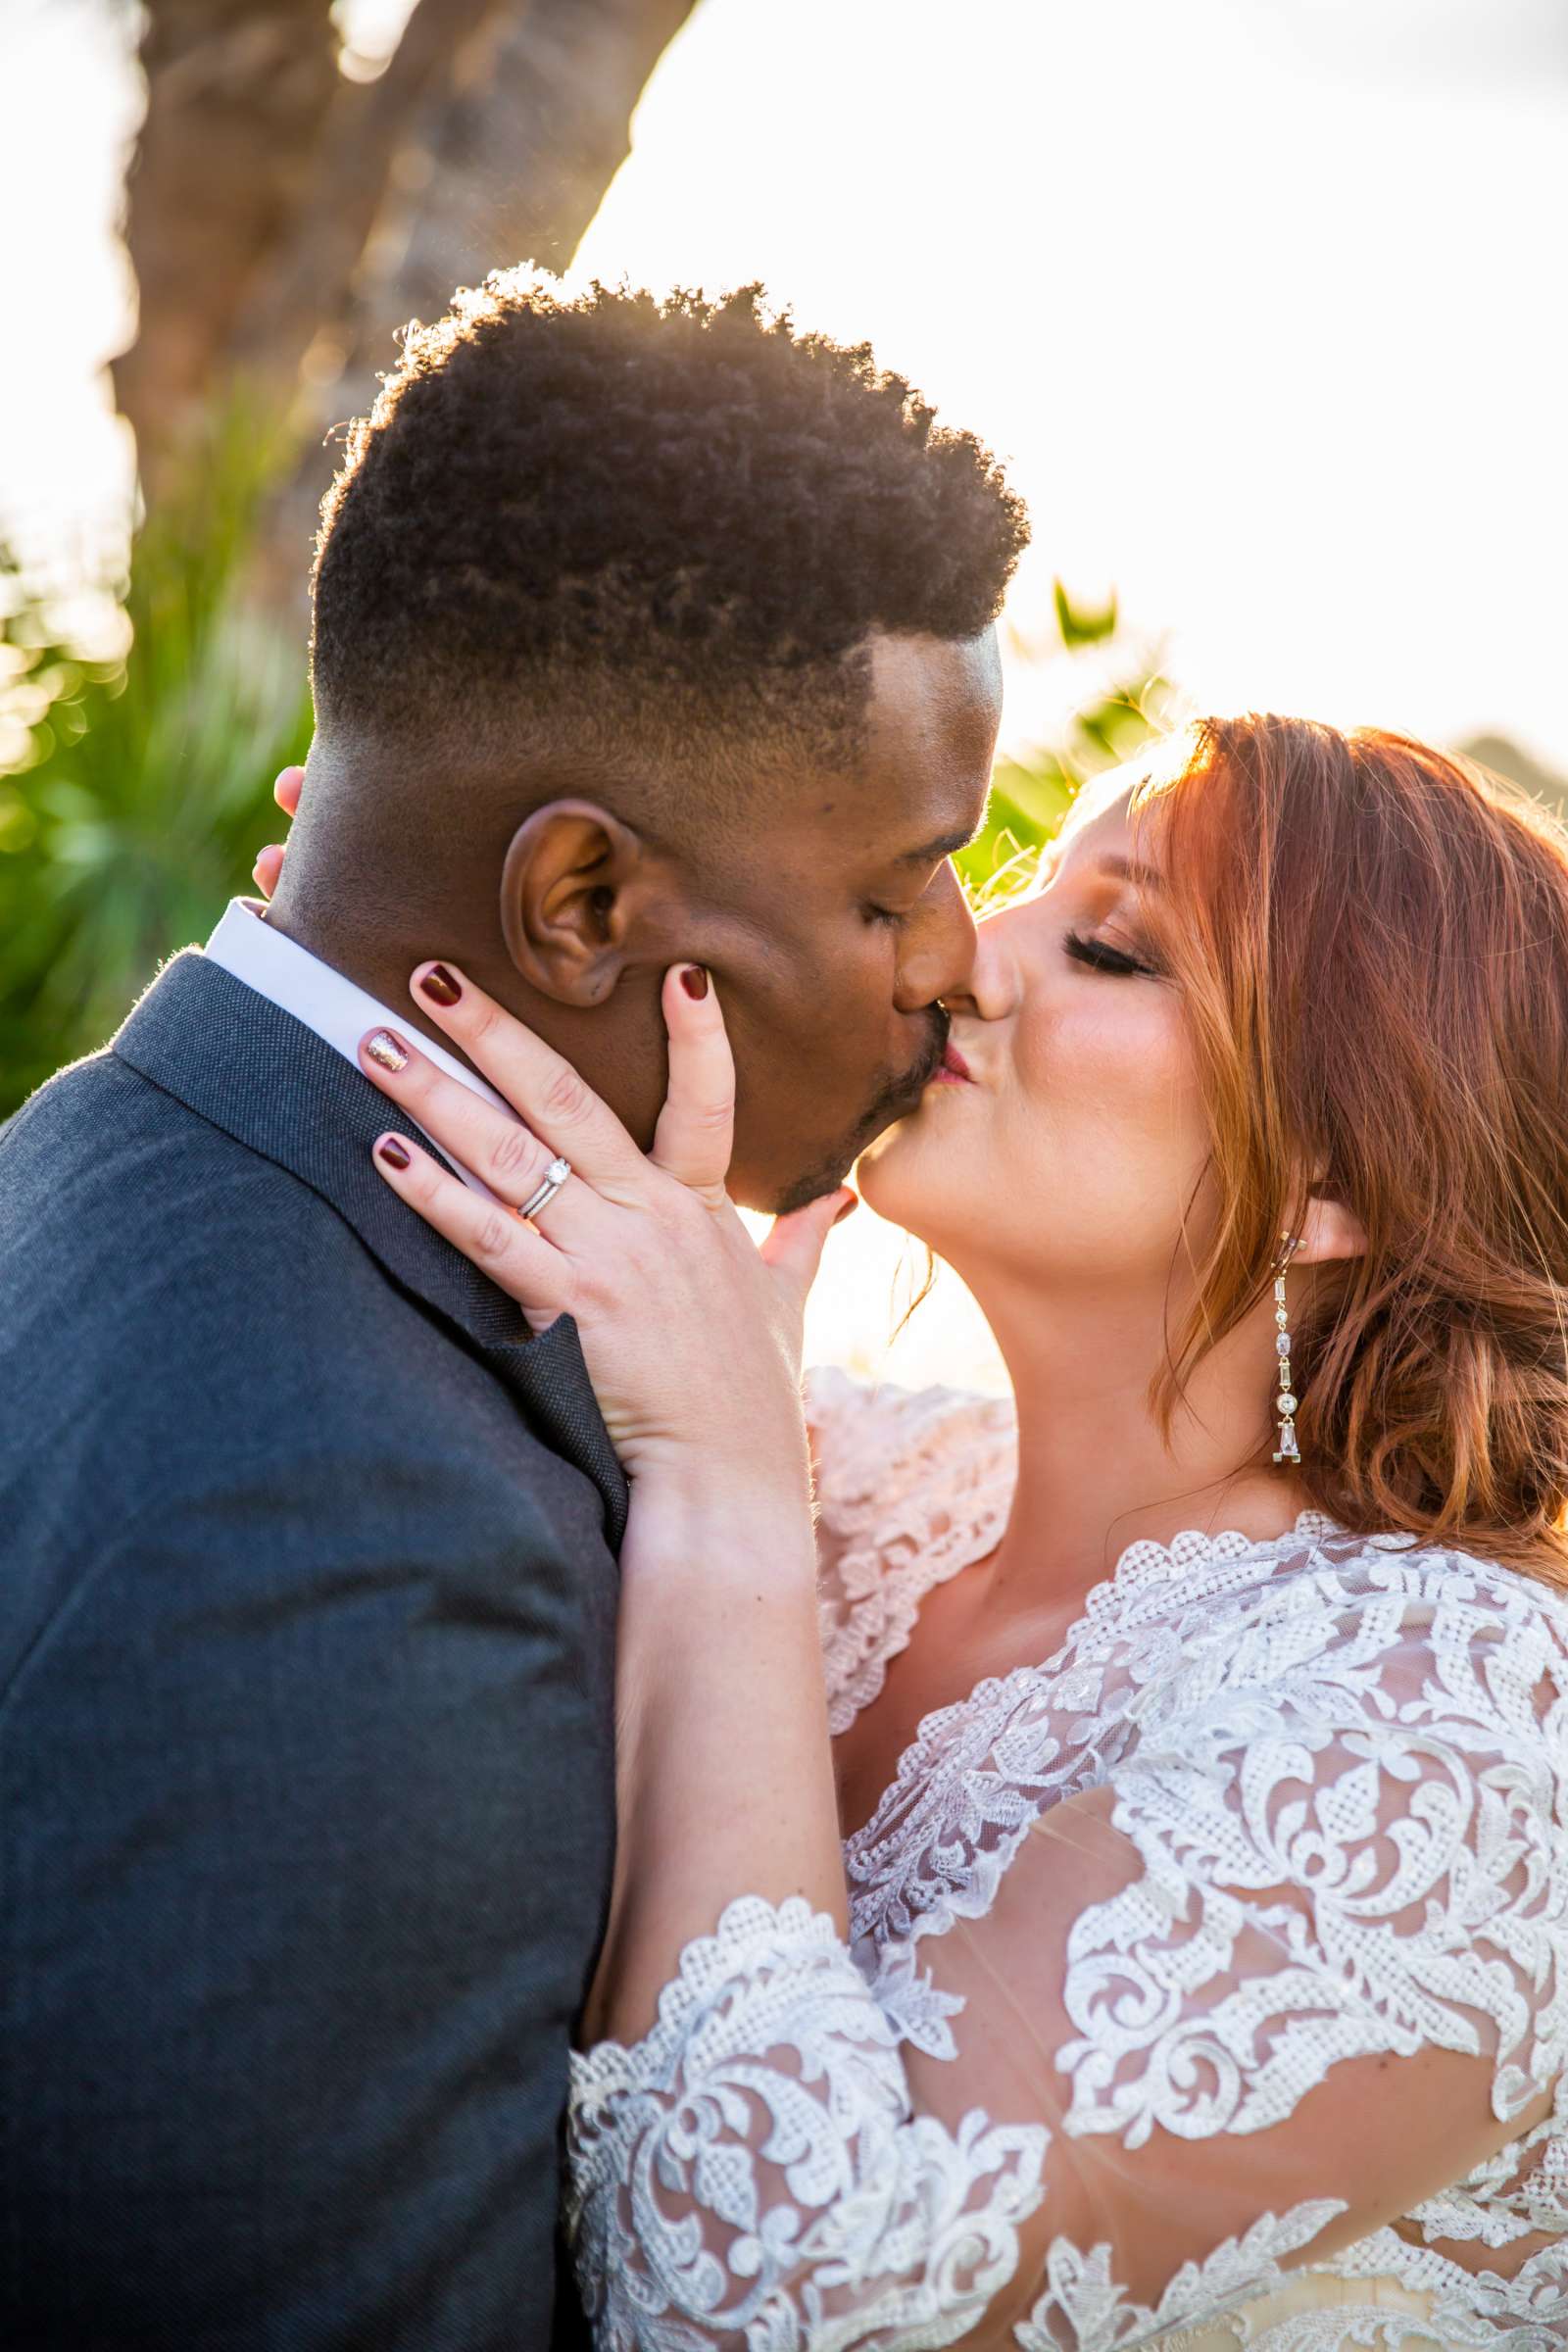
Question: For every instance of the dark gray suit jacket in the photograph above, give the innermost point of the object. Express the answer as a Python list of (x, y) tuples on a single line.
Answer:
[(307, 1616)]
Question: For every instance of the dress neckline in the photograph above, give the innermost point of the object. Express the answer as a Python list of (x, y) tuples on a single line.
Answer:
[(1141, 1566)]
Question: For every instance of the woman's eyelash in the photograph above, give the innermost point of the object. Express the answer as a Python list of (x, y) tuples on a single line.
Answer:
[(891, 917), (1101, 958)]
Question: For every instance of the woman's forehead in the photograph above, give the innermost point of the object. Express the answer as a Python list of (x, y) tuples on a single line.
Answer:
[(1101, 806)]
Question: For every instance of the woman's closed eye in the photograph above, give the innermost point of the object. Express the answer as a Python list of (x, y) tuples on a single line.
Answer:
[(1101, 956)]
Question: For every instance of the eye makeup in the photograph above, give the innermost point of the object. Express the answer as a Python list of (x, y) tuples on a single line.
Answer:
[(1101, 956)]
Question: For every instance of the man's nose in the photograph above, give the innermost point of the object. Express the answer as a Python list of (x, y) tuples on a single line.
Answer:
[(937, 946)]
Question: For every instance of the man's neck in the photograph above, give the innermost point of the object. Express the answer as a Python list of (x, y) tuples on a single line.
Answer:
[(618, 1044), (381, 972)]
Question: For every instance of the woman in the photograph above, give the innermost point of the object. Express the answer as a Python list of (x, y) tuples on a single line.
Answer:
[(1153, 1928)]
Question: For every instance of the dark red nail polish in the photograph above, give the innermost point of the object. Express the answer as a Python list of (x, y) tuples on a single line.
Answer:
[(439, 985), (694, 980), (392, 1153)]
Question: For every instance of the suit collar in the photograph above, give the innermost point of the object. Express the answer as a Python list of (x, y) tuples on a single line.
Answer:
[(251, 1069), (337, 1008)]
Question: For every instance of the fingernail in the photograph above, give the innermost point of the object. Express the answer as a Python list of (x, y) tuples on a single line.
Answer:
[(847, 1211), (392, 1151), (694, 980), (439, 985), (387, 1051)]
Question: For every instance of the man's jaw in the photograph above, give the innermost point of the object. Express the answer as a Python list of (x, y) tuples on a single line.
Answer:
[(897, 1098), (897, 1101)]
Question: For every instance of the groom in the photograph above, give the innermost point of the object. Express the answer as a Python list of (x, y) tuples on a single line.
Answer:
[(644, 632)]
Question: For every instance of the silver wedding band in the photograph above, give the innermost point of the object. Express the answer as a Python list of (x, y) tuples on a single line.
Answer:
[(550, 1184)]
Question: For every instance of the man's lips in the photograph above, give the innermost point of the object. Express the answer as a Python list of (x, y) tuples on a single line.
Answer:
[(955, 1070)]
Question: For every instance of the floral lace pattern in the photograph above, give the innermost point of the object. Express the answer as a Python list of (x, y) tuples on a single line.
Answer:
[(1081, 2292), (815, 2175), (911, 1490), (1337, 1768)]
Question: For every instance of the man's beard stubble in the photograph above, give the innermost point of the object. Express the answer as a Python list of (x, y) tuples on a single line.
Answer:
[(898, 1095)]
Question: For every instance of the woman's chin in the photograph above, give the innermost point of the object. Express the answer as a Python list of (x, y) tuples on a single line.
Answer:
[(892, 1172)]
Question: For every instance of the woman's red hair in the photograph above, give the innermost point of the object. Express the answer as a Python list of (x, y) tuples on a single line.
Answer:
[(1372, 940)]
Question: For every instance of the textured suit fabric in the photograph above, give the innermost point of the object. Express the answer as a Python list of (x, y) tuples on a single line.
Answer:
[(306, 1608)]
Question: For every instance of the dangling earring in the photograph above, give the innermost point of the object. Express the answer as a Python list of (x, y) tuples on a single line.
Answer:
[(1285, 1403)]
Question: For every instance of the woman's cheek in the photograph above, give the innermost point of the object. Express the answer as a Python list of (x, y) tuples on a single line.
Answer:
[(1118, 1094)]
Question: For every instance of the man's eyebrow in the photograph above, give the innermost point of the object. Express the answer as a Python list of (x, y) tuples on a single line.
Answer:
[(948, 846)]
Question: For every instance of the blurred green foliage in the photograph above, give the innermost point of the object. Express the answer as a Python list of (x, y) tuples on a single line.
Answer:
[(1116, 698), (134, 792)]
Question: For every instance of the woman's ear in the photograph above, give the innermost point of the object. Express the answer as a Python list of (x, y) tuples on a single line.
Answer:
[(1329, 1229), (577, 891)]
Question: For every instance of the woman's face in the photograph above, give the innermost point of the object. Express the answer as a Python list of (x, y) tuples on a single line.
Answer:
[(1070, 1151)]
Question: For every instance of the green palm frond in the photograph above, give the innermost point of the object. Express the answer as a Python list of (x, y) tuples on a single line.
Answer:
[(1032, 789), (134, 792)]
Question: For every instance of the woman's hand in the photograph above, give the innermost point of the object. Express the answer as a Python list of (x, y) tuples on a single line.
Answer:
[(692, 1336)]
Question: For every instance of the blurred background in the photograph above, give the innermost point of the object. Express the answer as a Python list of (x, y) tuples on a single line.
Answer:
[(1261, 302)]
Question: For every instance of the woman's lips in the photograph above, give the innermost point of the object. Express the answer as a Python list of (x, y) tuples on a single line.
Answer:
[(955, 1070)]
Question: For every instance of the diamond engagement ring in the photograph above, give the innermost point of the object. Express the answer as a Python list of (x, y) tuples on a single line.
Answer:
[(550, 1184)]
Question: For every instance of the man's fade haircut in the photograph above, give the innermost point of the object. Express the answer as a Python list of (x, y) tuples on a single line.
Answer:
[(623, 525)]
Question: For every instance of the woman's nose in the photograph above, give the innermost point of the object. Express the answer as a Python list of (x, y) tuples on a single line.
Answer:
[(994, 978), (936, 949)]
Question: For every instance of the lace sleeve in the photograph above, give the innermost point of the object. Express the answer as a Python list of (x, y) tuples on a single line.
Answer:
[(910, 1486), (1291, 1966)]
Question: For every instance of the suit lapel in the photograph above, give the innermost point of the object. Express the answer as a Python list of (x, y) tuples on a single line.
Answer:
[(239, 1061)]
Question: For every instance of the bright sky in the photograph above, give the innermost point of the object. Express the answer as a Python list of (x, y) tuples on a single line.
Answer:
[(1263, 301)]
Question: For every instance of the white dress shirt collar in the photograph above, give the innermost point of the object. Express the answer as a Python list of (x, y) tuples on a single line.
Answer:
[(338, 1009)]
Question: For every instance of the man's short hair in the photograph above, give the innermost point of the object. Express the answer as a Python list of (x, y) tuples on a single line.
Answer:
[(655, 524)]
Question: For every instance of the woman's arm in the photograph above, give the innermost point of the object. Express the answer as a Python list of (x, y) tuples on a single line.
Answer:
[(725, 1776)]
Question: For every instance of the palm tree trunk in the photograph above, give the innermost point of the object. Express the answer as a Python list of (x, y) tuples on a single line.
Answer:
[(238, 91), (285, 222)]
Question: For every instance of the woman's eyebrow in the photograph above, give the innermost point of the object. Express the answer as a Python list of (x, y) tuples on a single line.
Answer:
[(1147, 877)]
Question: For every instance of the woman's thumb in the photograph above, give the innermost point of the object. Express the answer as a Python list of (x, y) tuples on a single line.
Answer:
[(793, 1246)]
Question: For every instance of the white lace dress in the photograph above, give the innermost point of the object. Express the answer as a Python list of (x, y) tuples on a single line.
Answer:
[(1207, 1981)]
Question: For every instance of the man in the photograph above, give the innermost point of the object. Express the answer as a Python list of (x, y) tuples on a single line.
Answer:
[(643, 632)]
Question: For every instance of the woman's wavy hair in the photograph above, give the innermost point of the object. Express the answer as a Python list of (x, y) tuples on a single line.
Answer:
[(1372, 938)]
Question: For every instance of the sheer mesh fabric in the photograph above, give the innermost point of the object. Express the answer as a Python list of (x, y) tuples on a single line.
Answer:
[(1205, 1983)]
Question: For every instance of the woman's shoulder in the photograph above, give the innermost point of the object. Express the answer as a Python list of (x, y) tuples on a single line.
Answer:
[(912, 1486), (1388, 1628), (1449, 1571)]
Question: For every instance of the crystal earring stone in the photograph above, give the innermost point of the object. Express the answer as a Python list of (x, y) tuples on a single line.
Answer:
[(1285, 1404)]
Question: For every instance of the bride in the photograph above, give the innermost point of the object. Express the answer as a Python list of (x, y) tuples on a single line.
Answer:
[(1153, 1926)]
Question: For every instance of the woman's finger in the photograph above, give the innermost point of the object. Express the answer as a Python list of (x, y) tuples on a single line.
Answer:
[(793, 1246), (540, 1084), (492, 1144), (695, 1138), (269, 865), (514, 1258)]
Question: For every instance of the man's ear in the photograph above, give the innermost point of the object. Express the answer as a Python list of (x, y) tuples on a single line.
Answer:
[(580, 898)]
